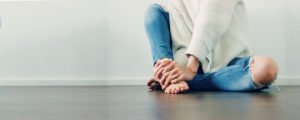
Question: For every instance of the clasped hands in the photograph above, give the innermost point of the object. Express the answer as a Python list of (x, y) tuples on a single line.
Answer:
[(167, 71)]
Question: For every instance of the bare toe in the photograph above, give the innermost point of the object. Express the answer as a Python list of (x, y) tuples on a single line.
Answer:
[(166, 90), (186, 88), (181, 89), (174, 90), (178, 89), (169, 90)]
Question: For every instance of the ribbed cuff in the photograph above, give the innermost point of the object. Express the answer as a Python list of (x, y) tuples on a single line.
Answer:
[(200, 51)]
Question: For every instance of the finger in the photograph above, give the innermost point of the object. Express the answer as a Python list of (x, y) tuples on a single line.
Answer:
[(165, 63), (158, 74), (156, 69), (163, 83), (169, 75), (176, 80), (160, 61), (170, 78), (166, 60), (169, 67), (174, 71), (163, 78), (157, 63), (159, 69), (156, 66)]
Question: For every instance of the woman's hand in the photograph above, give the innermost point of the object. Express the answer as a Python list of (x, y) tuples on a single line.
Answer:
[(174, 73), (162, 70), (154, 82), (160, 67), (166, 71), (178, 74)]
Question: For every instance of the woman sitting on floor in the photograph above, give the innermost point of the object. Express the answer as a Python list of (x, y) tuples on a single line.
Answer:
[(201, 45)]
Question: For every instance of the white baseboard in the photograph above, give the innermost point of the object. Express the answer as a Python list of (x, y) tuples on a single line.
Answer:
[(75, 82), (29, 0), (295, 80), (288, 80)]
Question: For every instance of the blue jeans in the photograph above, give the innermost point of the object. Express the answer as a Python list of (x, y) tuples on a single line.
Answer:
[(235, 76), (158, 32)]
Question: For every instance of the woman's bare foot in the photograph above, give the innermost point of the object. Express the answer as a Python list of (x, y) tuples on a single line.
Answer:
[(177, 87)]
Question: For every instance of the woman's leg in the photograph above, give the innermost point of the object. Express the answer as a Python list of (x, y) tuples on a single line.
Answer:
[(157, 28), (263, 70), (237, 76)]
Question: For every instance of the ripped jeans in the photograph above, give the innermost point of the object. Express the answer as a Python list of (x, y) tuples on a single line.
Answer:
[(235, 76)]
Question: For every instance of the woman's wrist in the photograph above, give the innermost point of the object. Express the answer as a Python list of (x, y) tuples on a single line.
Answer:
[(193, 64)]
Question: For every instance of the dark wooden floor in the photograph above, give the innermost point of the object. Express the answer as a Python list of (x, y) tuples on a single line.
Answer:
[(136, 103)]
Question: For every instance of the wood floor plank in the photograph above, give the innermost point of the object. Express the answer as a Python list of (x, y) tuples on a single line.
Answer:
[(136, 103)]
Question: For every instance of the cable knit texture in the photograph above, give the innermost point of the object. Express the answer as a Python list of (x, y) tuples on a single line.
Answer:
[(214, 31)]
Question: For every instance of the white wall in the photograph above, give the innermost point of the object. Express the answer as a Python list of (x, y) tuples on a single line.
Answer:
[(102, 42)]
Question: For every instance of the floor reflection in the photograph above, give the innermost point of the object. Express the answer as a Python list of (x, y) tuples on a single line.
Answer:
[(214, 105)]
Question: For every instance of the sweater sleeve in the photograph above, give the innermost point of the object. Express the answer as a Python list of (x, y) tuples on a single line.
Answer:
[(212, 20)]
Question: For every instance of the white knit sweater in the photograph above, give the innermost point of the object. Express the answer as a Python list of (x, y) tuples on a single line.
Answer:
[(214, 31)]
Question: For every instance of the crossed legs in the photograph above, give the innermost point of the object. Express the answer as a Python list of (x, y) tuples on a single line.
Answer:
[(263, 69)]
